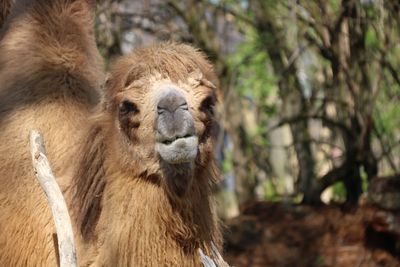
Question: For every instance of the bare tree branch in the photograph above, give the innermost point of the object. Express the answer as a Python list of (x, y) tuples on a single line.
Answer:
[(202, 33), (331, 177), (44, 174), (237, 15), (332, 123), (209, 262), (387, 151), (392, 71)]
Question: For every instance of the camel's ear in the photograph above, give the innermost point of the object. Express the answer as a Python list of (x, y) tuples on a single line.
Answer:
[(197, 78), (114, 83), (207, 83), (106, 82)]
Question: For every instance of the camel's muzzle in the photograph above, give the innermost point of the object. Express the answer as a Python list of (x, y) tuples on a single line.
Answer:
[(176, 140)]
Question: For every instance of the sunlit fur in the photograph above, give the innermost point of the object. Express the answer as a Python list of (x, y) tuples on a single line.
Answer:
[(50, 72), (123, 199)]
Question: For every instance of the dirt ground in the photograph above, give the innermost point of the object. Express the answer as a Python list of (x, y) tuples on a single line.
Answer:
[(278, 235)]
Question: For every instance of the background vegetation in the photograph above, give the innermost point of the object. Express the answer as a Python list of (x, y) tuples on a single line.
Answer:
[(310, 89), (309, 114)]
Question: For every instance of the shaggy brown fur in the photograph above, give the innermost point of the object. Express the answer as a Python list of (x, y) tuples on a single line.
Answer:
[(123, 202), (5, 7), (49, 78), (129, 208)]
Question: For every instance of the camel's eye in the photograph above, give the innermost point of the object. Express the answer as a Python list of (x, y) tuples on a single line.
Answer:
[(127, 107), (207, 105)]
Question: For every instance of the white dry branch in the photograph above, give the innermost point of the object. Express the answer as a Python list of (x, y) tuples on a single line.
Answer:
[(44, 174), (209, 262)]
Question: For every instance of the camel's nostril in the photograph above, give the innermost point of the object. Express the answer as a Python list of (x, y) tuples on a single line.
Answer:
[(160, 110), (184, 106)]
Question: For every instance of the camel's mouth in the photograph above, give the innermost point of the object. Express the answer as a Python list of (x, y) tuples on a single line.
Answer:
[(178, 150)]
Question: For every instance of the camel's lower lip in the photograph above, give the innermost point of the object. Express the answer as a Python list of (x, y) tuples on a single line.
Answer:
[(180, 150)]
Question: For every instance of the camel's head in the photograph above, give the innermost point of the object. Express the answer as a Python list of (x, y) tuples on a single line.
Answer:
[(162, 103)]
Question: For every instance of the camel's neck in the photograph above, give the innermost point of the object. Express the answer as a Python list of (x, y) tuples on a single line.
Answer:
[(130, 221), (140, 226)]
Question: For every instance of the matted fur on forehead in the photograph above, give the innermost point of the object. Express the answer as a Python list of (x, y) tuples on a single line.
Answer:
[(171, 60)]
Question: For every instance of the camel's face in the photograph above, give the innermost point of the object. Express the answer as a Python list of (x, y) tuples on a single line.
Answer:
[(168, 125)]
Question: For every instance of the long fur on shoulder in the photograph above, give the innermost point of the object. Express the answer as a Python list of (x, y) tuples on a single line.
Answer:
[(50, 75)]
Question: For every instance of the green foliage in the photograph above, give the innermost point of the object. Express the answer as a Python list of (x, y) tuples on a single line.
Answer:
[(338, 192), (371, 40), (335, 5), (364, 180), (387, 113), (227, 163), (254, 80), (271, 193), (320, 261)]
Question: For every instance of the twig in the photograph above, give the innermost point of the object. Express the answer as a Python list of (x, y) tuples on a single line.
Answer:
[(328, 121), (237, 15), (44, 174), (386, 151), (392, 71), (209, 262), (218, 258)]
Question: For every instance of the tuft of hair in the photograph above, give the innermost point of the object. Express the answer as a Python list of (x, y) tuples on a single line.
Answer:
[(172, 60)]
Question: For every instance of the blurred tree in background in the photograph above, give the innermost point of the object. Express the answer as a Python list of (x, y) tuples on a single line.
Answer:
[(309, 89)]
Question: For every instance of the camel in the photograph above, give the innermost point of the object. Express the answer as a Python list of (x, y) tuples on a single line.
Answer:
[(142, 191), (50, 79), (136, 170)]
